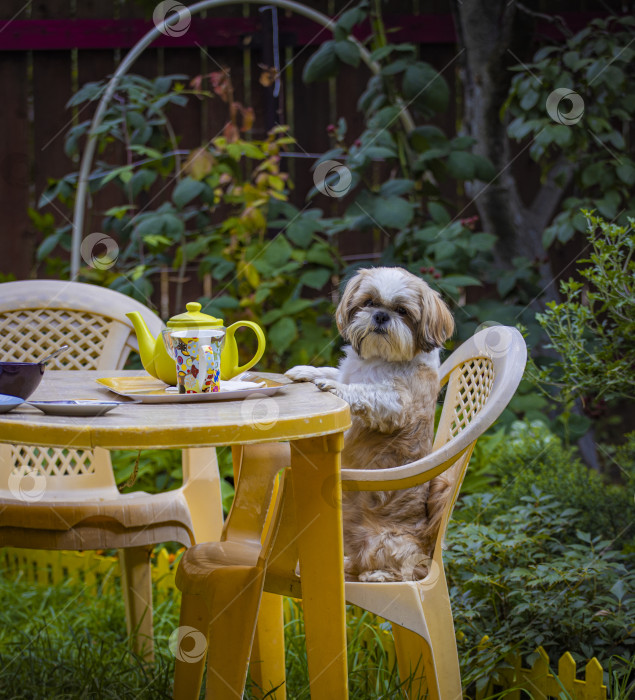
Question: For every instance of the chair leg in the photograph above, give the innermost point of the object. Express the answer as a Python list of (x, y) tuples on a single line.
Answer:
[(234, 598), (136, 581), (267, 656), (188, 669), (411, 652), (434, 668)]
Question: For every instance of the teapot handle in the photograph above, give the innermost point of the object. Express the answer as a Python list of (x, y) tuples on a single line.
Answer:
[(229, 361)]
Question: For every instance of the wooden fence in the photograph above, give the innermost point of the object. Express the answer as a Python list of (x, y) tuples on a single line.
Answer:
[(51, 47), (94, 571)]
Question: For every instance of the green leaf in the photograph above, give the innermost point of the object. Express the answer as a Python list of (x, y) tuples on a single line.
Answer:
[(347, 20), (423, 138), (484, 170), (301, 230), (187, 190), (442, 250), (609, 204), (549, 236), (483, 241), (461, 165), (379, 152), (142, 180), (423, 86), (395, 67), (562, 135), (315, 279), (529, 99), (282, 334), (47, 246), (347, 52), (322, 64), (117, 172), (295, 306), (462, 143), (381, 53), (618, 590), (320, 254), (277, 252), (626, 173), (592, 174), (396, 187), (462, 281), (438, 213), (384, 118), (393, 212)]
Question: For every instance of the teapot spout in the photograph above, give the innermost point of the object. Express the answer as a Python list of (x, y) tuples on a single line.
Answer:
[(145, 340)]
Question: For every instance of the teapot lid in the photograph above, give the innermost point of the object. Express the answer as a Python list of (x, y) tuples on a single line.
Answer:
[(194, 317)]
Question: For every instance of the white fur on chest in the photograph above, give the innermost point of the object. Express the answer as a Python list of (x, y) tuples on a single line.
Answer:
[(354, 370)]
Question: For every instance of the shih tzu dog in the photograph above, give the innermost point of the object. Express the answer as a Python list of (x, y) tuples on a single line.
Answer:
[(394, 324)]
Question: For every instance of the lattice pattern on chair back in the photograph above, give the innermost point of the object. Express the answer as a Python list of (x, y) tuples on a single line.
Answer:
[(30, 334), (475, 381), (52, 461)]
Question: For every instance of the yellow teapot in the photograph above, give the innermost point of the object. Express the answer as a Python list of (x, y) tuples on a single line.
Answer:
[(158, 362)]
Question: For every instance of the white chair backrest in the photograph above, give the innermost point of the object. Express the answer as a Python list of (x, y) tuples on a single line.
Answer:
[(37, 316), (482, 376)]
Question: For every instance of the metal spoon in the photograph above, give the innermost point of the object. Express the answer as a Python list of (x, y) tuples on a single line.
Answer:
[(53, 355)]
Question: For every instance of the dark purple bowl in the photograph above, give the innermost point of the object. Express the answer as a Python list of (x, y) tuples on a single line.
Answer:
[(20, 378)]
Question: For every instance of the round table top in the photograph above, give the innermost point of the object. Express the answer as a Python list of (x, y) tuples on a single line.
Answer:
[(294, 411)]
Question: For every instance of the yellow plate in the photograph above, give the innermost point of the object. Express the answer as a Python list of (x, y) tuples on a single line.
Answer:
[(150, 390)]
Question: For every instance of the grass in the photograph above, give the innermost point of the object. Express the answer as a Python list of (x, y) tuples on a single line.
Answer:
[(63, 641)]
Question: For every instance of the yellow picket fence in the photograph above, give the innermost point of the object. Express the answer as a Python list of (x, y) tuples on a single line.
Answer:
[(93, 570), (542, 685)]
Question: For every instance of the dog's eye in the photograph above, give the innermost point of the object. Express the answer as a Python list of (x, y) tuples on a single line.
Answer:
[(370, 302), (400, 310)]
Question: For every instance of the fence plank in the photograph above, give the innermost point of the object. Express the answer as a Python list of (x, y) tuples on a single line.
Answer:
[(52, 88), (593, 687), (95, 65), (16, 236)]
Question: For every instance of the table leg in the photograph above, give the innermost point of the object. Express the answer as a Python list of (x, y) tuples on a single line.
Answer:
[(136, 581), (315, 465)]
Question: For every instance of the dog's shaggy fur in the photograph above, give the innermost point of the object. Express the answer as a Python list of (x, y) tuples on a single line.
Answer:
[(395, 325)]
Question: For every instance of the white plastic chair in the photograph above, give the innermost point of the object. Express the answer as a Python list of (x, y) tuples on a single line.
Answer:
[(78, 505), (482, 376)]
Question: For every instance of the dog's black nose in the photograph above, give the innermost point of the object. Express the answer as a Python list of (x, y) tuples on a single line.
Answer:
[(381, 318)]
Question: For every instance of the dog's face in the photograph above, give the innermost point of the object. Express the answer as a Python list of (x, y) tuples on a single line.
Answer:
[(389, 313)]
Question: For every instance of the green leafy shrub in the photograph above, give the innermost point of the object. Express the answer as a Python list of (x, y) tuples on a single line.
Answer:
[(584, 145), (593, 328), (532, 457), (410, 209), (223, 214), (526, 578)]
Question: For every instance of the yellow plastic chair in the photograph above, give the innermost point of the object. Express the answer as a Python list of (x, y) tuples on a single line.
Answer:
[(222, 582), (52, 498), (481, 376)]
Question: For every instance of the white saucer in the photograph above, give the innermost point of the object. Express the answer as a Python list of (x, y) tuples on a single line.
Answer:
[(8, 402), (80, 407)]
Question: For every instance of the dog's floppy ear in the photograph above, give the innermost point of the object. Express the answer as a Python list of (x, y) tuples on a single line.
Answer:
[(346, 308), (436, 324)]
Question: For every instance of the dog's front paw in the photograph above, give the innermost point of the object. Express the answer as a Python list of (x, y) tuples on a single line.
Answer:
[(303, 373), (376, 576), (326, 384)]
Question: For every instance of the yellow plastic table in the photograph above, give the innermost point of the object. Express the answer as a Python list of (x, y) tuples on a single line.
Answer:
[(315, 421)]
